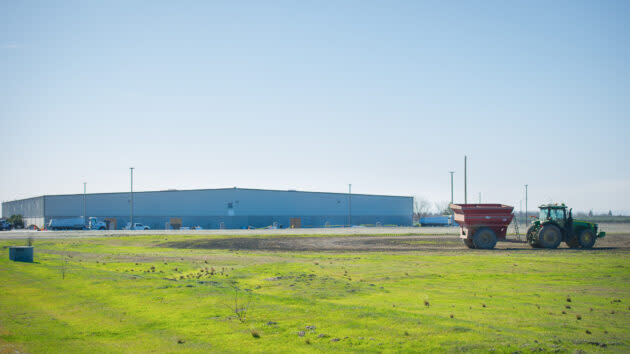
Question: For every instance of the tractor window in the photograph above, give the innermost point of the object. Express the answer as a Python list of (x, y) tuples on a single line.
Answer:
[(544, 213), (556, 214)]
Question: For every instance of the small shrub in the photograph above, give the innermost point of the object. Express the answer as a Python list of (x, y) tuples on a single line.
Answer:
[(568, 299), (181, 341), (579, 317), (564, 312), (426, 303), (588, 332), (307, 341), (483, 305), (406, 333), (254, 333), (567, 307), (452, 316)]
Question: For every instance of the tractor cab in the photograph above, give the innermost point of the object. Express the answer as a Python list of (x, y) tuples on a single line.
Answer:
[(555, 213)]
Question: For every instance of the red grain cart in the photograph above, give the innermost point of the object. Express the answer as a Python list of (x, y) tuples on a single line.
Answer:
[(482, 225)]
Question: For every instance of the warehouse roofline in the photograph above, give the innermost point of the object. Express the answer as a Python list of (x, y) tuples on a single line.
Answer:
[(215, 189)]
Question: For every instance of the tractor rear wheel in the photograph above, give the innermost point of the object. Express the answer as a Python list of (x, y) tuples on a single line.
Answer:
[(468, 242), (586, 238), (484, 239), (549, 236), (531, 237)]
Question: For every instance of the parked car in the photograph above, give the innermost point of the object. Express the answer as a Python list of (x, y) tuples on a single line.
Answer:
[(5, 225), (136, 226)]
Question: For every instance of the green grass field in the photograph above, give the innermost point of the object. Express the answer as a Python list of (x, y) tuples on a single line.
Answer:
[(125, 294)]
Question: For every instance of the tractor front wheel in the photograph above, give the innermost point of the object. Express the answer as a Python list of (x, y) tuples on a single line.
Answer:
[(573, 243), (484, 239), (549, 236), (469, 243), (586, 239)]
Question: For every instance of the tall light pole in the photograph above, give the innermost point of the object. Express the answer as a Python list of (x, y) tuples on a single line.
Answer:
[(525, 204), (349, 205), (84, 183), (465, 180), (451, 172), (131, 205)]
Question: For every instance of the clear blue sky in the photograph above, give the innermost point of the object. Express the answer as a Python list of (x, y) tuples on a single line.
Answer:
[(313, 95)]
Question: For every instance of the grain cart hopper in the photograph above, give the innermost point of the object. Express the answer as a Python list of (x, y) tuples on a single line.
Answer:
[(555, 224), (482, 225)]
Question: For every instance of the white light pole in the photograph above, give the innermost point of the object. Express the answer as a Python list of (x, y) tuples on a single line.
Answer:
[(465, 180), (451, 172), (131, 205), (349, 205), (84, 216), (525, 204)]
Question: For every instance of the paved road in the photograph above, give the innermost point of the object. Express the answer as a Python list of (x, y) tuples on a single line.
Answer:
[(19, 234)]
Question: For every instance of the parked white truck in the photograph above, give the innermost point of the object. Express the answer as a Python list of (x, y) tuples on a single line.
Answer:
[(76, 224), (136, 226)]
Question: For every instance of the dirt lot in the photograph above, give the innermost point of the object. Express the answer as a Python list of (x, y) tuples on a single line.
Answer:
[(372, 243)]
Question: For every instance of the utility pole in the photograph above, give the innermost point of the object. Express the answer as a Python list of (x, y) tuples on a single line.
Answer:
[(350, 205), (465, 180), (84, 183), (131, 205), (525, 204), (451, 172)]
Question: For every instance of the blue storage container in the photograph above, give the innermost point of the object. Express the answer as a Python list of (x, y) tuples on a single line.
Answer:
[(21, 253)]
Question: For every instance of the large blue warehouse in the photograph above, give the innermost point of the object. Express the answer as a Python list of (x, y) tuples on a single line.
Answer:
[(232, 208)]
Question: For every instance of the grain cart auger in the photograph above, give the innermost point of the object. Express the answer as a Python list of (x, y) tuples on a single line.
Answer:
[(482, 225), (555, 225)]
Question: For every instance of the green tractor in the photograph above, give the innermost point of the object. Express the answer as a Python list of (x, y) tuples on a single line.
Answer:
[(555, 225)]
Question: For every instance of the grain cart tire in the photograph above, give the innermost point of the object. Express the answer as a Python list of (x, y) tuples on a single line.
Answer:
[(549, 236), (586, 238), (484, 239), (469, 243)]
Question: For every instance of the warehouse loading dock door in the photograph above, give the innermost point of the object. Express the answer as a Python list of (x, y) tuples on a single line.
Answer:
[(175, 223), (111, 223), (296, 223)]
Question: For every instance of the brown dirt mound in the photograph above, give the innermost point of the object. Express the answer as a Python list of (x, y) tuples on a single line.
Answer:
[(368, 243)]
